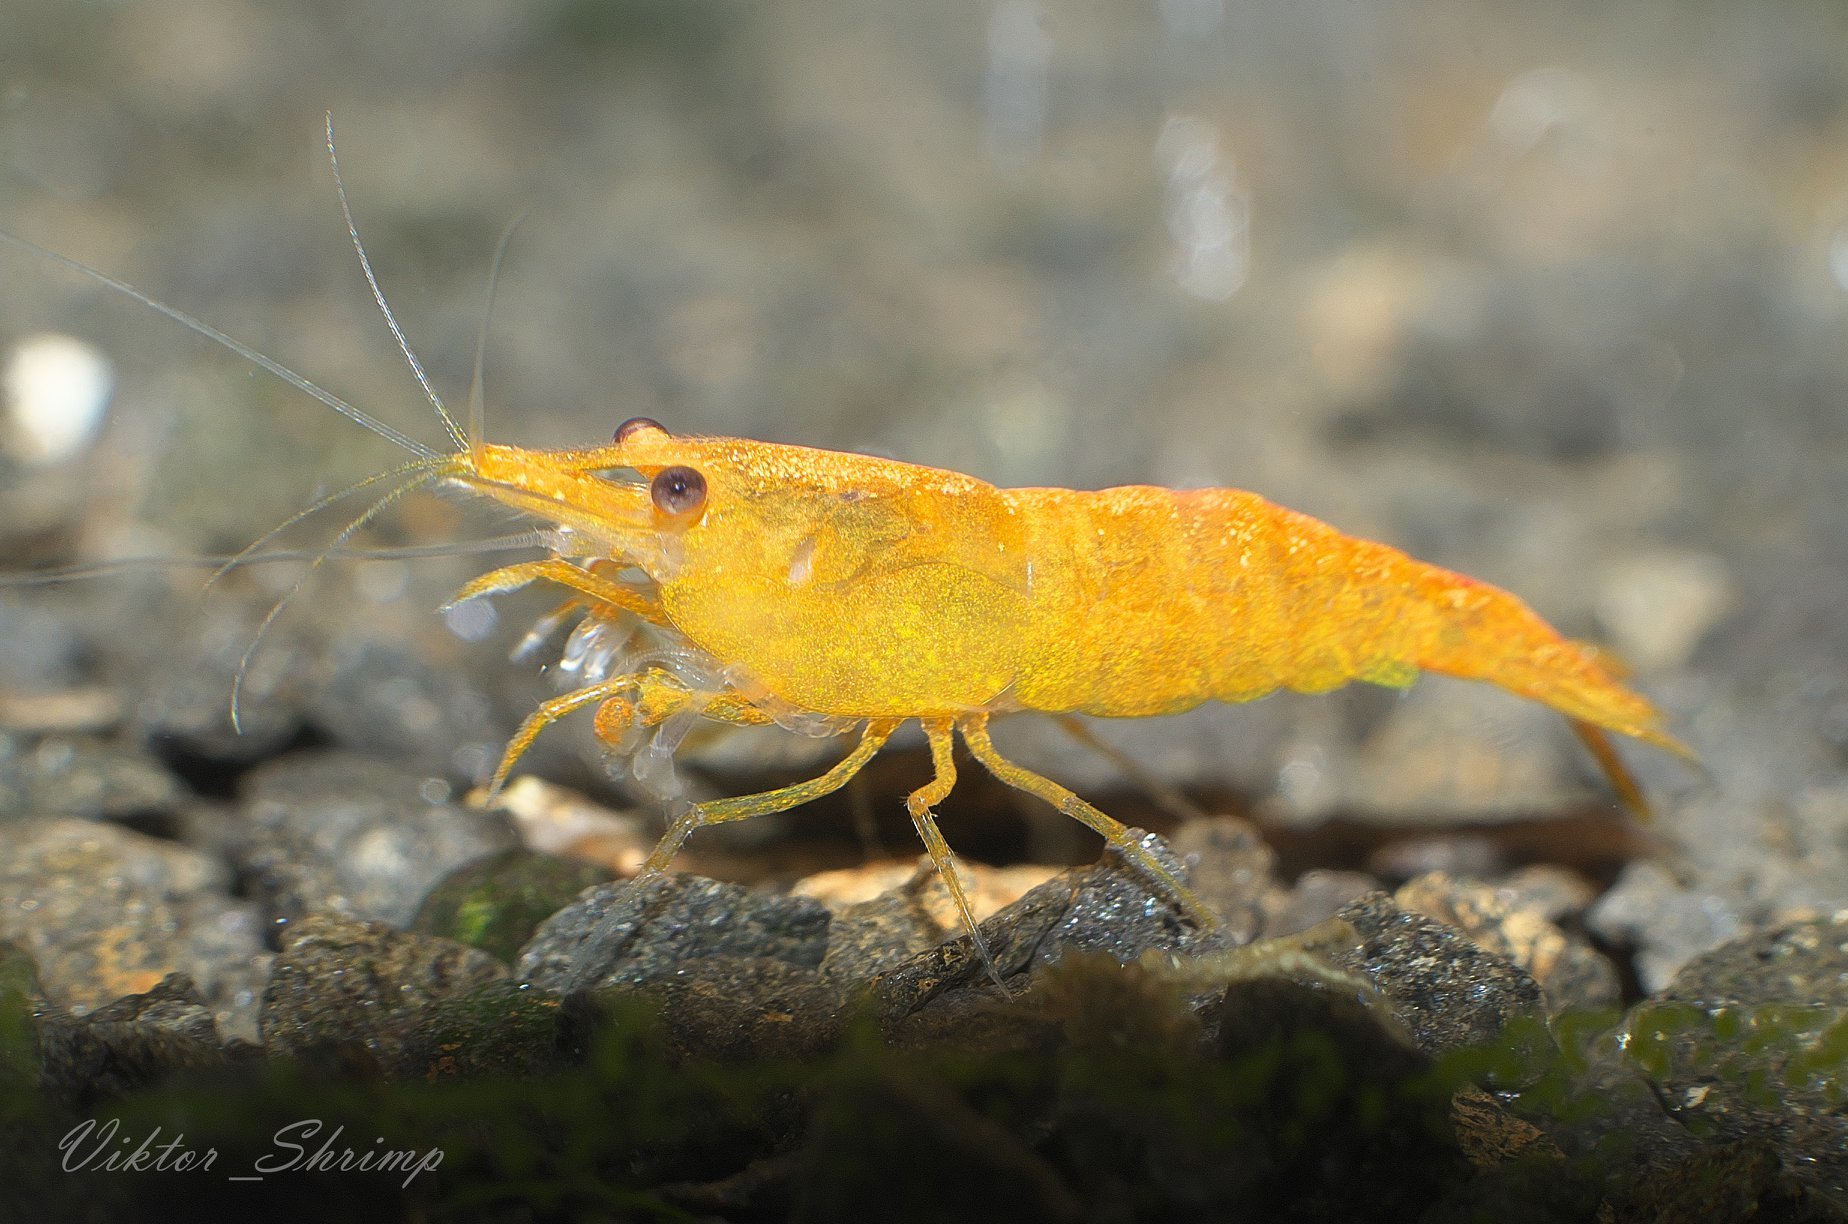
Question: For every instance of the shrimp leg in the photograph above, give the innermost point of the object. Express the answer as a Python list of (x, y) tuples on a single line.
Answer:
[(919, 804), (974, 729), (742, 807), (1164, 795), (645, 700), (549, 712), (574, 577)]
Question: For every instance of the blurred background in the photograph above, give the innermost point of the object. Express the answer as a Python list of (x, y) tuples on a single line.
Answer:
[(1554, 295)]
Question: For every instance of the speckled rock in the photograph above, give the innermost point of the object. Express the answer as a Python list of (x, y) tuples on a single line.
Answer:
[(1450, 993), (1107, 910), (184, 705), (745, 1008), (497, 903), (345, 834), (343, 989), (1315, 897), (909, 912), (1665, 921), (1750, 1043), (131, 1043), (655, 926), (383, 698), (1233, 871), (1112, 908), (108, 913), (1570, 972), (82, 777)]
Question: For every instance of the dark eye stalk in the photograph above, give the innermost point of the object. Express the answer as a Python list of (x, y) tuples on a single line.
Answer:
[(635, 425), (677, 490)]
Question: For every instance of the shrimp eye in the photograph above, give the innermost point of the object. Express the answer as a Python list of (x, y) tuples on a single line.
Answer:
[(635, 425), (678, 490)]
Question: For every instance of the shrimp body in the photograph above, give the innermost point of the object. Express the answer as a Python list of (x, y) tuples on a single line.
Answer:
[(836, 591), (857, 587)]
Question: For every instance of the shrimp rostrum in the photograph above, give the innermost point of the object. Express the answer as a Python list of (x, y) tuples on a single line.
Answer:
[(842, 593)]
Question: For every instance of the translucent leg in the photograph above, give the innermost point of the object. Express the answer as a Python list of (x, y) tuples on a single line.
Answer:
[(975, 733), (1176, 803), (743, 807), (549, 712), (546, 626), (573, 577), (919, 803)]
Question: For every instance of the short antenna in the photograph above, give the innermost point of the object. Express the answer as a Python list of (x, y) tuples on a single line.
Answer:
[(477, 394)]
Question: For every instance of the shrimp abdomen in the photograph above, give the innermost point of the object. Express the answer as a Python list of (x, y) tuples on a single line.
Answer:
[(1172, 598)]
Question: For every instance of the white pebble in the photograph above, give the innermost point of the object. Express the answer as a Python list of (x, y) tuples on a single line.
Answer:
[(56, 390)]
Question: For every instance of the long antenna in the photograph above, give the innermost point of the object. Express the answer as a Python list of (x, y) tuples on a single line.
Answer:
[(346, 533), (52, 576), (251, 549), (456, 435), (349, 411)]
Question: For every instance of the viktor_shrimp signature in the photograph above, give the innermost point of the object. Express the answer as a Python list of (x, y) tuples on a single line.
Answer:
[(838, 594)]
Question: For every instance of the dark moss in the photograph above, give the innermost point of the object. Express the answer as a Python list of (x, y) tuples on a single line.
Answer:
[(497, 903)]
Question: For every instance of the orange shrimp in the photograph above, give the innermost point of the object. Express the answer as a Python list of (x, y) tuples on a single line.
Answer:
[(748, 582), (843, 592)]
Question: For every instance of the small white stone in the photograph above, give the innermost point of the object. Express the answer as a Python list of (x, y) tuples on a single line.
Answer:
[(56, 390)]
